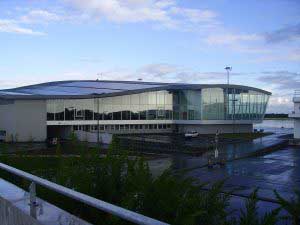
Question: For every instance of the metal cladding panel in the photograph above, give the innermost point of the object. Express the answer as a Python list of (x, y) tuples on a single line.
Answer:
[(81, 88), (12, 93), (61, 90), (110, 85)]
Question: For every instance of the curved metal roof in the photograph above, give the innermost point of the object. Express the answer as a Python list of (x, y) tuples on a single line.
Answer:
[(103, 88)]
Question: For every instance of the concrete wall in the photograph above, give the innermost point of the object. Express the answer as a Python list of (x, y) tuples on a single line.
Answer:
[(15, 209), (222, 128), (10, 214), (24, 120)]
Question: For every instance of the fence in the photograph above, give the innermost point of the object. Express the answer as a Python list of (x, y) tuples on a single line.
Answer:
[(86, 199)]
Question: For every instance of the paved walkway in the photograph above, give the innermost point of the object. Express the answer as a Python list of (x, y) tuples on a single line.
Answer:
[(279, 170), (229, 151)]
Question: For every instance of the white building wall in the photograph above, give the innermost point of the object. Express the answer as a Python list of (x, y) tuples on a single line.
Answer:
[(24, 120), (7, 118), (297, 128)]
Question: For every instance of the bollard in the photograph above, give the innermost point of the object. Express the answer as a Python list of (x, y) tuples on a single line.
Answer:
[(210, 163), (32, 200), (222, 162)]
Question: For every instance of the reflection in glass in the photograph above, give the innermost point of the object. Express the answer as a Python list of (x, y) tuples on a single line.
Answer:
[(206, 104)]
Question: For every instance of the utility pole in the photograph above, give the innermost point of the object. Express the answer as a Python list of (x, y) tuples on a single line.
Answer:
[(98, 126), (228, 69)]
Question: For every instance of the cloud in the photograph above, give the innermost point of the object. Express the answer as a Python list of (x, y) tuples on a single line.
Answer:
[(281, 80), (12, 26), (280, 103), (288, 33), (91, 60), (159, 70), (282, 84), (40, 16), (164, 72), (231, 39), (123, 11), (20, 24), (163, 13)]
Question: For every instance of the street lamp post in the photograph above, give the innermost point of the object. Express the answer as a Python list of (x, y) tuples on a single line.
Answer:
[(228, 69)]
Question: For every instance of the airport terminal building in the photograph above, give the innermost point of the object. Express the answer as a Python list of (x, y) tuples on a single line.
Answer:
[(55, 109)]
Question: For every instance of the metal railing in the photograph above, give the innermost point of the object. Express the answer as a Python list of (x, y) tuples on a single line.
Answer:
[(86, 199)]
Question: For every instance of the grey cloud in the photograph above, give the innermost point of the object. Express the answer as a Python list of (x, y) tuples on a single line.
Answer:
[(282, 79), (174, 73), (159, 69), (284, 34)]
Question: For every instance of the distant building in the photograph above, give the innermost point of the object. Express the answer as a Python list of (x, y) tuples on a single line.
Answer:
[(296, 114), (55, 109)]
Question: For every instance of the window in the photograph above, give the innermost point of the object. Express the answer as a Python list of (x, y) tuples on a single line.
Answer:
[(117, 116), (125, 115), (59, 110), (50, 110), (75, 127), (161, 113), (79, 114), (69, 110), (86, 127), (94, 127)]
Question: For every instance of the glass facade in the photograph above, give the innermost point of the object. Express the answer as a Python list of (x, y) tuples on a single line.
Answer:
[(205, 104)]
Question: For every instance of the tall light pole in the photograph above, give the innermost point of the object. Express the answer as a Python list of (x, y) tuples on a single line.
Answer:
[(228, 69)]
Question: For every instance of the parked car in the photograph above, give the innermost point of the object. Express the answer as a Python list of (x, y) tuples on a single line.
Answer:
[(52, 142), (191, 134), (2, 135)]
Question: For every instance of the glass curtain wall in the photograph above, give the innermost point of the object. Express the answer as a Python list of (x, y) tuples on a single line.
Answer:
[(205, 104), (145, 106)]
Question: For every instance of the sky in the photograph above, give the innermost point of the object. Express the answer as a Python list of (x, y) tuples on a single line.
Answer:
[(154, 40)]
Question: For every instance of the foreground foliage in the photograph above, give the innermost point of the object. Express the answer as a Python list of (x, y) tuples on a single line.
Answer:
[(128, 182)]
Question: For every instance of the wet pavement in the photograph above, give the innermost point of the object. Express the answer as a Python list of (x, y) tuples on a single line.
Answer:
[(229, 152), (279, 170)]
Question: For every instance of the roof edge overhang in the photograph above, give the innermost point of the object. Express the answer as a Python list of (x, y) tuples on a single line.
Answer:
[(165, 86)]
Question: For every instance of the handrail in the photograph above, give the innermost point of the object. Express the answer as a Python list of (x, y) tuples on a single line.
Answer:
[(86, 199)]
